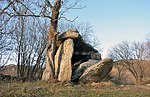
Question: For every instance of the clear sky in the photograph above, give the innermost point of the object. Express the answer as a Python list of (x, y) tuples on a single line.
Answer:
[(116, 20)]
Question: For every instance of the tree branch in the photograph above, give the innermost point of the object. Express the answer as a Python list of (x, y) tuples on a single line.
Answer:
[(69, 19), (49, 4), (6, 7), (6, 21), (24, 6), (31, 16)]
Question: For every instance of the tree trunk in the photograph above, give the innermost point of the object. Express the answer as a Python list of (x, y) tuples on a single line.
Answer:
[(48, 73), (20, 45)]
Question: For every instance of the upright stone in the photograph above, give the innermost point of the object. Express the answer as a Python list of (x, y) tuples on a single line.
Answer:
[(57, 60), (63, 68), (97, 72)]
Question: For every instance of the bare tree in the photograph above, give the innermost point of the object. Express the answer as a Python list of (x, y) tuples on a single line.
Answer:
[(18, 11), (51, 45), (29, 47), (6, 32), (29, 36), (120, 51), (122, 71), (52, 34), (130, 57)]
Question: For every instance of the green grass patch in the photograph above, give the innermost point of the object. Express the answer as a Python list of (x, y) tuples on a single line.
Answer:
[(47, 89)]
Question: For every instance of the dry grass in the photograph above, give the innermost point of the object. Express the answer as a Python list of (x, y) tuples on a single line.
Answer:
[(47, 89)]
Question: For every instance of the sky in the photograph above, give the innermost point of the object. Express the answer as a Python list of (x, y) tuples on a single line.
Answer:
[(114, 21)]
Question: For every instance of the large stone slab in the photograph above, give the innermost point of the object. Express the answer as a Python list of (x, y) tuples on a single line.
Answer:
[(80, 69), (73, 34), (97, 72), (63, 68)]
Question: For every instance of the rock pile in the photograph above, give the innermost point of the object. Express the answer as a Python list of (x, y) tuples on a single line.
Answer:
[(78, 61)]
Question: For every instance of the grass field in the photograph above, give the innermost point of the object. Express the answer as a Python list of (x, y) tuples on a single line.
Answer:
[(47, 89)]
